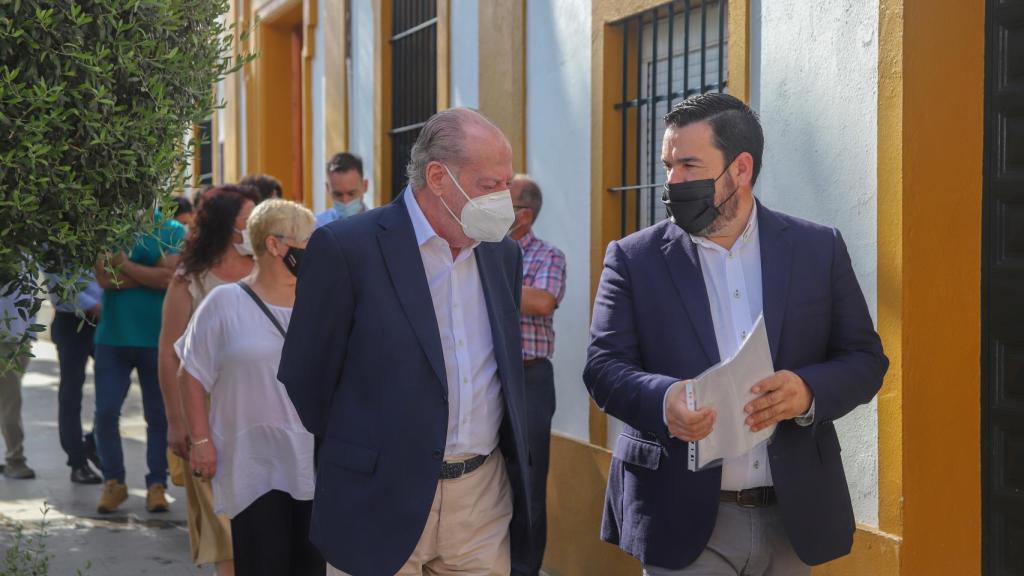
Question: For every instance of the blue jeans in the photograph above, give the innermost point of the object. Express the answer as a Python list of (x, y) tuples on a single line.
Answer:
[(74, 347), (114, 366)]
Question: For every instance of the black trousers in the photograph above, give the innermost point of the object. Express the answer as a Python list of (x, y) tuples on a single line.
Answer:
[(271, 538), (540, 408), (74, 347)]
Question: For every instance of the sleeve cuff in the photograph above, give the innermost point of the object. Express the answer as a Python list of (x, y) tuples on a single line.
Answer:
[(807, 418), (664, 403)]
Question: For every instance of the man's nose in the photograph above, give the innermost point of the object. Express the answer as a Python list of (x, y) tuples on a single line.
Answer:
[(677, 176)]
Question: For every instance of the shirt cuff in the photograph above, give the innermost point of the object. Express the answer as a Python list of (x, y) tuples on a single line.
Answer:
[(807, 418), (664, 402)]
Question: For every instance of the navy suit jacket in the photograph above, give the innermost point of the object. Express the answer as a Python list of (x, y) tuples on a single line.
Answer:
[(363, 366), (652, 327)]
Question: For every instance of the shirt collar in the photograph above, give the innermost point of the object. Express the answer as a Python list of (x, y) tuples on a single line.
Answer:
[(749, 231), (526, 240), (424, 231)]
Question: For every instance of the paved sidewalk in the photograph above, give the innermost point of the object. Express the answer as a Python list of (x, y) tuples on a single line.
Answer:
[(131, 542)]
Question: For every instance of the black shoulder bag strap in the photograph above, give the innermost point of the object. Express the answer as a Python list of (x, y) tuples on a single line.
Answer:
[(259, 302)]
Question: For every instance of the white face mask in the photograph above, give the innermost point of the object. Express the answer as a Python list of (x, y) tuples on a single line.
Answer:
[(484, 218), (245, 246)]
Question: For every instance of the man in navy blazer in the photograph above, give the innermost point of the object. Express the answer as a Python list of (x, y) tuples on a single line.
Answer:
[(403, 358), (676, 298)]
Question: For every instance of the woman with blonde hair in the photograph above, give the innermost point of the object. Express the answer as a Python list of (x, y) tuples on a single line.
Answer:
[(250, 440), (215, 253)]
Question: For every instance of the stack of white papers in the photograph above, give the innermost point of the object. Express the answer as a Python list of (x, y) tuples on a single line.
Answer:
[(726, 388)]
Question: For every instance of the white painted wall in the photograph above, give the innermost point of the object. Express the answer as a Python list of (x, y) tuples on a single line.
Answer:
[(465, 53), (360, 90), (319, 88), (558, 61), (815, 84)]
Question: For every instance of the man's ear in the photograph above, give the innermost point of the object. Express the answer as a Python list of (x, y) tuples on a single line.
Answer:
[(366, 185), (743, 168), (435, 177)]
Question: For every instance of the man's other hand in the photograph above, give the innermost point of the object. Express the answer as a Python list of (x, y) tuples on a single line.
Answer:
[(782, 396)]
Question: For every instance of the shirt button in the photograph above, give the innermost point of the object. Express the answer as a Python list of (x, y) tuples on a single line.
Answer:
[(743, 334), (437, 454), (730, 256), (736, 294), (757, 464)]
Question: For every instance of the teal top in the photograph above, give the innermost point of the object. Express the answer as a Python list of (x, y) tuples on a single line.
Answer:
[(132, 317)]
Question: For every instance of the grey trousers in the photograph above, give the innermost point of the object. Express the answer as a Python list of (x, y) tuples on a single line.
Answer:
[(10, 408), (745, 542)]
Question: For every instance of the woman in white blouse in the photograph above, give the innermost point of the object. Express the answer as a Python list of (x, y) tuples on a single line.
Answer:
[(252, 444)]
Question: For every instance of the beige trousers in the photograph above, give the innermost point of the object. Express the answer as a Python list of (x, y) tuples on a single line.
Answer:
[(10, 407), (467, 528)]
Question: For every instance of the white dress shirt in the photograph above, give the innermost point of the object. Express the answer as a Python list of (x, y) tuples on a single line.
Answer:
[(733, 281), (475, 403)]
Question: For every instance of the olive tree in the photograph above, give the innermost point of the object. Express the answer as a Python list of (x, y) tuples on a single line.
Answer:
[(95, 99)]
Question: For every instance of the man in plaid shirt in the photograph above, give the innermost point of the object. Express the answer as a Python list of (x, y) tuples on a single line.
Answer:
[(543, 288)]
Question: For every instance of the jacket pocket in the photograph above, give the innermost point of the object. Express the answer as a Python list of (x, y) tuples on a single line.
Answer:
[(350, 457), (637, 452)]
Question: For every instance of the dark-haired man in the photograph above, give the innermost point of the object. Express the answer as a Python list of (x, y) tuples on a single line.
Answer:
[(679, 296), (346, 187)]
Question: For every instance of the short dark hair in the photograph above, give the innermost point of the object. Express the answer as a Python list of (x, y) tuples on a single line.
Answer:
[(184, 206), (266, 185), (530, 194), (734, 126), (343, 162)]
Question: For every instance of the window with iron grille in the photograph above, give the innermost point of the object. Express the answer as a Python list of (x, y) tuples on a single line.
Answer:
[(414, 79), (669, 53)]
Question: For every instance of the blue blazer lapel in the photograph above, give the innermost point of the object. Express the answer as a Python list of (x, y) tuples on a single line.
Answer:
[(684, 268), (405, 265), (488, 264), (776, 263)]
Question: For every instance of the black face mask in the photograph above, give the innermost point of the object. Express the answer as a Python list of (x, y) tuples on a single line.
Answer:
[(293, 258), (692, 204)]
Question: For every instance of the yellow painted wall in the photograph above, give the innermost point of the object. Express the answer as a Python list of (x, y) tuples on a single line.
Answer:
[(943, 60), (576, 482), (502, 74)]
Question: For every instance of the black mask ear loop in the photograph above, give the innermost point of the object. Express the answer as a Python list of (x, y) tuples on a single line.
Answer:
[(734, 190)]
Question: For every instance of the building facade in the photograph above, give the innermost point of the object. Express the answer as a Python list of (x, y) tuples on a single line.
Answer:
[(879, 118)]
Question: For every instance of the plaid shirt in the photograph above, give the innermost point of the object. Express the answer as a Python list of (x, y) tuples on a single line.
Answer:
[(544, 269)]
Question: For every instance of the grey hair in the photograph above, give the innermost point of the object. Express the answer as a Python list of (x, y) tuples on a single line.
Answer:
[(530, 194), (442, 139)]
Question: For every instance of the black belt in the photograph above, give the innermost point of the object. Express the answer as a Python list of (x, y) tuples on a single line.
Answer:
[(453, 470), (752, 498), (533, 361)]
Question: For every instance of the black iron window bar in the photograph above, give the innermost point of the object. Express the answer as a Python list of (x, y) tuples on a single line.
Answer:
[(414, 79), (642, 191)]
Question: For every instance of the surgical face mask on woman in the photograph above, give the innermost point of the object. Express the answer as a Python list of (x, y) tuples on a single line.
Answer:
[(245, 246), (485, 218)]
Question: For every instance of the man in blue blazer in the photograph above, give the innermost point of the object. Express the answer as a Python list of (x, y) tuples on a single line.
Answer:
[(403, 358), (679, 296)]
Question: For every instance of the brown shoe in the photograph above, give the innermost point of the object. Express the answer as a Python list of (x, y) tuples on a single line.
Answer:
[(114, 494), (156, 498)]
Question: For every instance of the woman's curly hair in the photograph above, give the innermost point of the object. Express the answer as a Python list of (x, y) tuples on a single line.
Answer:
[(214, 226)]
